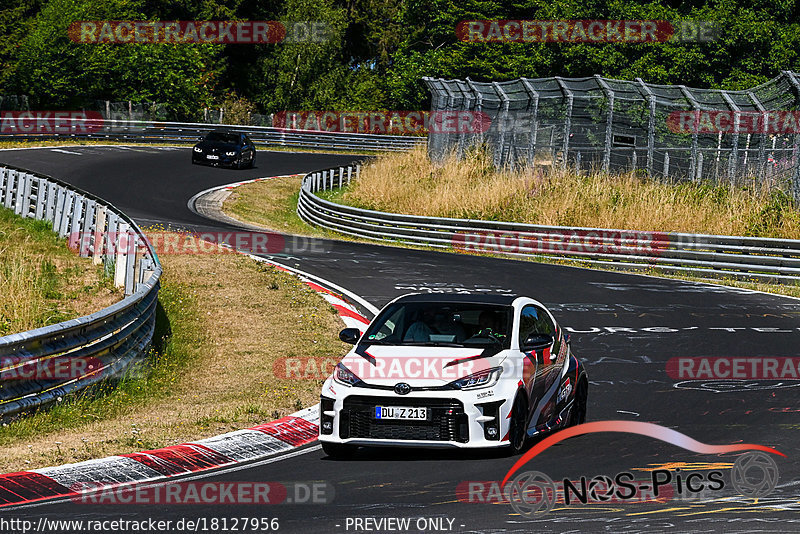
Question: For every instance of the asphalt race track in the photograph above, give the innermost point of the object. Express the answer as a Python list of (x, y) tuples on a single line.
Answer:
[(625, 328)]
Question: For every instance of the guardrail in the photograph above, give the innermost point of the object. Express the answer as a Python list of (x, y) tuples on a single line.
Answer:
[(171, 132), (748, 258), (39, 366)]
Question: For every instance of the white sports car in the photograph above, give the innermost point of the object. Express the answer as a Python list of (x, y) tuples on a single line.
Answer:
[(453, 371)]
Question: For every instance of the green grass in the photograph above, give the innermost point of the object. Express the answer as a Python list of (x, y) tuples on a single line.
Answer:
[(42, 281), (176, 341)]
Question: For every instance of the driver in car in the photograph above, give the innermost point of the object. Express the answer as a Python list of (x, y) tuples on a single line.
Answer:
[(434, 321), (488, 325)]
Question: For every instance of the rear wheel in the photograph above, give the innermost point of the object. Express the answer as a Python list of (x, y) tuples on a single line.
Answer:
[(338, 450), (252, 162)]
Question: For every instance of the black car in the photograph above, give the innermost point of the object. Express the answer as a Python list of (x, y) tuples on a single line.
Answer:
[(220, 147)]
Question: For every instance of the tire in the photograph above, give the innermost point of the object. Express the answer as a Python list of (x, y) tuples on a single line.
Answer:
[(337, 450), (518, 431), (577, 415), (252, 162)]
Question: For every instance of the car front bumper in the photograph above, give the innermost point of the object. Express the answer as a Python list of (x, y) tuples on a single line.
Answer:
[(456, 418), (225, 161)]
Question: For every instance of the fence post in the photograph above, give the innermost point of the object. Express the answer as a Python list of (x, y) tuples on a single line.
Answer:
[(796, 174), (651, 125), (609, 93), (796, 151), (50, 207), (341, 175), (762, 137), (26, 196), (567, 120), (478, 96), (41, 197), (122, 248), (533, 95), (137, 265), (21, 184), (130, 265), (501, 159), (696, 107), (666, 165), (699, 166), (99, 235), (733, 160), (87, 228), (11, 182), (69, 207), (113, 235), (3, 182), (58, 206), (75, 223), (466, 99), (349, 173)]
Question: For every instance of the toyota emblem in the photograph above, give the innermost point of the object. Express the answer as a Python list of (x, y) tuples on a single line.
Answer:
[(402, 388)]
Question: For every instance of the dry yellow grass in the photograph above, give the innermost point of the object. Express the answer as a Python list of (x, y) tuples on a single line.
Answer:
[(472, 188), (231, 319)]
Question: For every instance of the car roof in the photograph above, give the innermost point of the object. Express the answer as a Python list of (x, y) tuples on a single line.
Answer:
[(502, 300)]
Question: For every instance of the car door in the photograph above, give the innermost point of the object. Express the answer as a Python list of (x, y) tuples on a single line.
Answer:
[(248, 146), (540, 369)]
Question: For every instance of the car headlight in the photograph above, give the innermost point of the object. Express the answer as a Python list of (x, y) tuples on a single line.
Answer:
[(345, 376), (481, 379), (198, 149), (230, 153)]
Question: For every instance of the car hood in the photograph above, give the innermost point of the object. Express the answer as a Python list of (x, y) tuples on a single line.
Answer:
[(384, 365)]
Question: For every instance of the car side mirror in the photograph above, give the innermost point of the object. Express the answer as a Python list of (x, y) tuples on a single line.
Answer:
[(350, 335), (537, 342)]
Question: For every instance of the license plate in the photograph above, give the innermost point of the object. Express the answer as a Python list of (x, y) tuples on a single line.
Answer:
[(212, 157), (403, 413)]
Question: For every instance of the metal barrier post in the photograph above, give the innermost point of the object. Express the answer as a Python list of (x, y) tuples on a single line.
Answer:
[(122, 250)]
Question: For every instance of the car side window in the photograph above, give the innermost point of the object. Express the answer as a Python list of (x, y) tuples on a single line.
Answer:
[(534, 320), (391, 329)]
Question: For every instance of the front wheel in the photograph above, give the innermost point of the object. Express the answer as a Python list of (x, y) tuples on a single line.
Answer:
[(578, 414), (338, 450), (518, 431)]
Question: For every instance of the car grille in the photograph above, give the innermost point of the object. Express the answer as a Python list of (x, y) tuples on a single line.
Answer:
[(447, 420)]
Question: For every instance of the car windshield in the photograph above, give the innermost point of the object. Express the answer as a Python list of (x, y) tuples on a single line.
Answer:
[(442, 324), (222, 137)]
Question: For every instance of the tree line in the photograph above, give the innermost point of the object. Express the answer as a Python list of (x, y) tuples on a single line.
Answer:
[(374, 54)]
